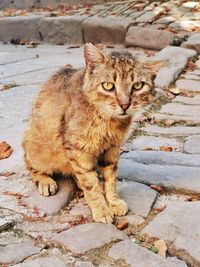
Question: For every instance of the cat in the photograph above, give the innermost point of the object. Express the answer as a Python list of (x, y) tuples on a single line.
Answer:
[(79, 121)]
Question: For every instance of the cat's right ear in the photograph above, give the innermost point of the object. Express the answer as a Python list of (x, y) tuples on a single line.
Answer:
[(93, 56)]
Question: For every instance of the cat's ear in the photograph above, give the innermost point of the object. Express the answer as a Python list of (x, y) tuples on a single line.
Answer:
[(155, 65), (93, 56)]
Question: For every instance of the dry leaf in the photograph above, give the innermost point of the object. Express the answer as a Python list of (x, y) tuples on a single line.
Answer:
[(5, 150), (191, 65), (157, 188), (166, 148), (187, 94), (161, 246), (157, 210), (121, 225), (8, 86), (169, 122), (73, 46), (171, 30), (175, 91), (194, 198), (15, 194), (6, 174)]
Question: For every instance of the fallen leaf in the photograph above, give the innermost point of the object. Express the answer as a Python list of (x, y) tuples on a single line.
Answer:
[(159, 209), (68, 66), (174, 91), (169, 122), (161, 246), (15, 41), (121, 225), (171, 30), (36, 211), (191, 65), (32, 44), (157, 188), (166, 148), (22, 203), (32, 219), (5, 150), (193, 198), (154, 249), (8, 86), (15, 194), (187, 94), (73, 46), (6, 174)]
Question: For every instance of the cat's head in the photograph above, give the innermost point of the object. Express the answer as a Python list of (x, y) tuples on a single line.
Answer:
[(117, 83)]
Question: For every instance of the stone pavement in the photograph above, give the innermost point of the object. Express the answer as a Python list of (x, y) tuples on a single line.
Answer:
[(159, 168), (141, 23), (159, 173)]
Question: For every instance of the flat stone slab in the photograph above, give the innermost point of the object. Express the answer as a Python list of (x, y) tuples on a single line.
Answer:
[(14, 253), (150, 16), (52, 204), (171, 131), (134, 193), (43, 229), (179, 225), (133, 219), (185, 25), (173, 178), (44, 261), (83, 264), (190, 77), (198, 63), (195, 100), (109, 30), (194, 40), (81, 208), (189, 120), (135, 255), (154, 143), (62, 30), (96, 235), (163, 158), (180, 109), (177, 60), (189, 85), (148, 38), (192, 144), (28, 25)]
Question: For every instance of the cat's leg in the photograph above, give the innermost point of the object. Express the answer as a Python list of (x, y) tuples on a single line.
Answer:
[(45, 184), (86, 175), (108, 168)]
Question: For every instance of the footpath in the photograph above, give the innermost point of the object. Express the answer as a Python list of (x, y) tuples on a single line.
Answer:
[(159, 169)]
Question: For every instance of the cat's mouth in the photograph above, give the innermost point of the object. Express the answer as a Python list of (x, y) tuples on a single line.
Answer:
[(124, 114)]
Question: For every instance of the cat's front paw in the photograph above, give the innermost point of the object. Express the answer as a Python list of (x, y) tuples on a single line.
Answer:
[(103, 215), (47, 186), (119, 207)]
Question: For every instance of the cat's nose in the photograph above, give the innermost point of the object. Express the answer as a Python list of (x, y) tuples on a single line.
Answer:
[(125, 106)]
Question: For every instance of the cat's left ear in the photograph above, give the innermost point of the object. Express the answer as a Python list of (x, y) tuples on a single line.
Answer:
[(155, 65), (93, 56)]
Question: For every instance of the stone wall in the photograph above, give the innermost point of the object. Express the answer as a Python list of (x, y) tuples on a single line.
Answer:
[(43, 3)]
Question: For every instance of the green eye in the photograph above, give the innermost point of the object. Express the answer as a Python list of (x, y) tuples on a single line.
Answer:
[(138, 85), (108, 86)]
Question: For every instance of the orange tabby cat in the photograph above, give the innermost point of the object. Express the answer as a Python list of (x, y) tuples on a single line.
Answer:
[(80, 119)]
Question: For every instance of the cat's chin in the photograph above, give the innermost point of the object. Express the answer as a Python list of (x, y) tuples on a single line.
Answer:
[(123, 115)]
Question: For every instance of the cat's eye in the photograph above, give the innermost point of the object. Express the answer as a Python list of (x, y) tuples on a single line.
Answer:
[(138, 85), (108, 86)]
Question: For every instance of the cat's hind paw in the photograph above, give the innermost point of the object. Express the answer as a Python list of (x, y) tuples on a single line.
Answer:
[(47, 186), (119, 207)]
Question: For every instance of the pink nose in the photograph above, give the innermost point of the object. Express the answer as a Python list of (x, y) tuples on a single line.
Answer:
[(125, 106)]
